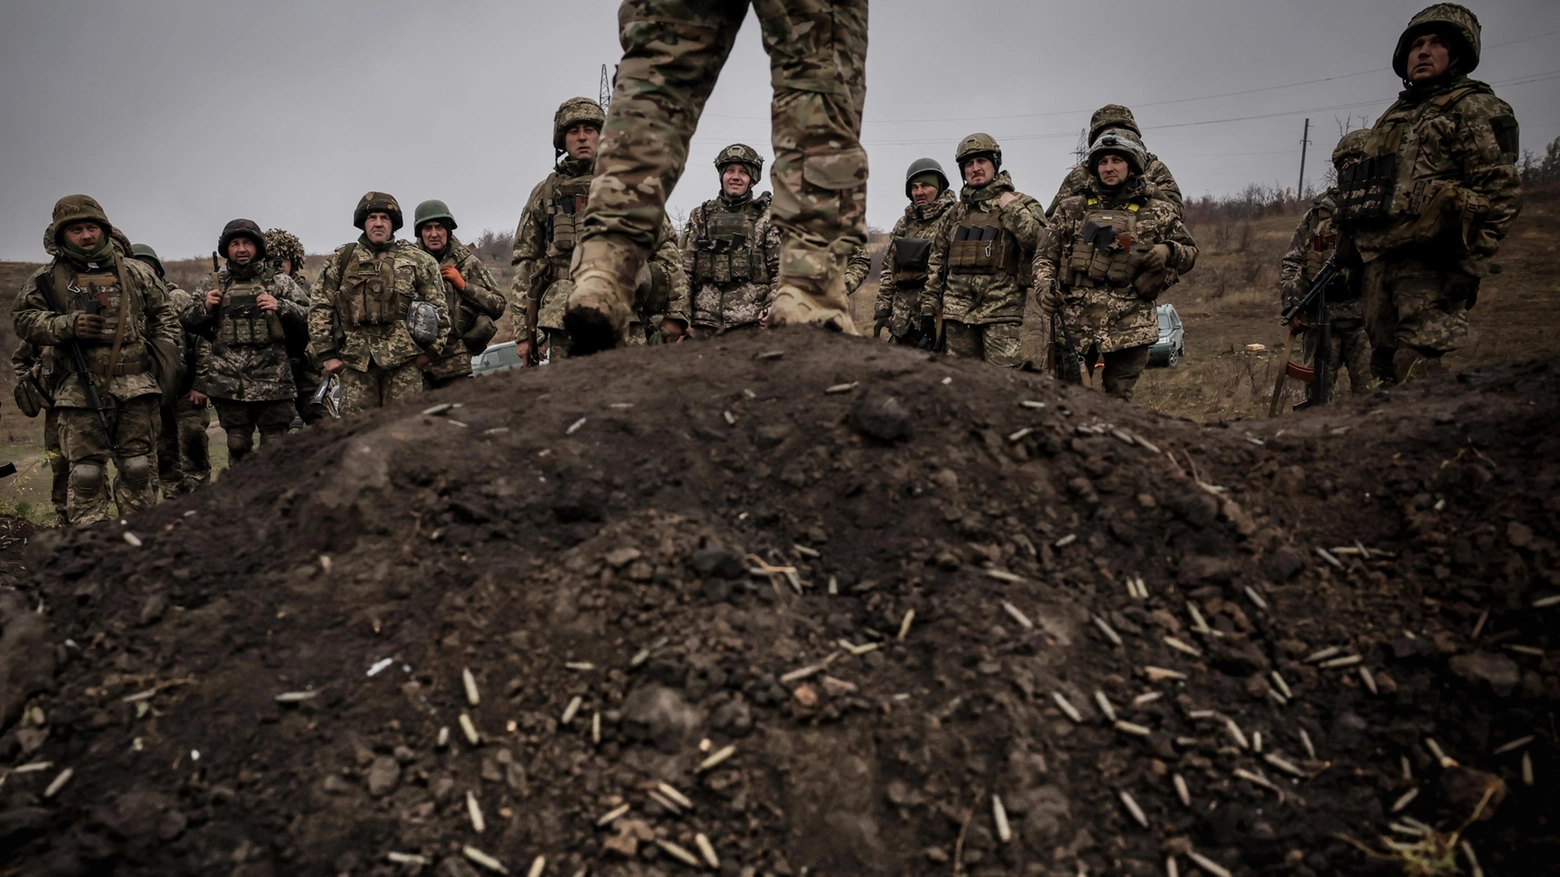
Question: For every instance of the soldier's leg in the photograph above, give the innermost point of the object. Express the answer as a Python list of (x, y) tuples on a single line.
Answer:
[(673, 50), (1432, 318), (238, 421), (1002, 345), (135, 436), (169, 470), (274, 418), (1380, 319), (1122, 370), (59, 465), (1354, 350), (194, 451), (961, 340), (817, 59), (402, 384), (360, 391), (307, 377), (86, 448)]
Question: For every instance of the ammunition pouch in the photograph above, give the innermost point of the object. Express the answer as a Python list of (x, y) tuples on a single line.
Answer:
[(563, 219), (1102, 251), (367, 296), (981, 246), (728, 253), (242, 323), (911, 258), (478, 335), (422, 322), (100, 294), (30, 397)]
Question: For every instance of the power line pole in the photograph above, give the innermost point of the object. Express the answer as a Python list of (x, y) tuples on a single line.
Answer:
[(1305, 140), (1081, 151), (605, 91)]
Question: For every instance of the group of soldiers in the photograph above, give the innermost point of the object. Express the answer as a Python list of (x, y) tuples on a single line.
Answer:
[(125, 364)]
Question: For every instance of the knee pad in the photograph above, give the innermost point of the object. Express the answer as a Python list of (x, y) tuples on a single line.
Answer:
[(238, 442), (138, 470), (86, 478)]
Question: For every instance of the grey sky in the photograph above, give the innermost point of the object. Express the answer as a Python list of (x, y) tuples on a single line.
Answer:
[(182, 114)]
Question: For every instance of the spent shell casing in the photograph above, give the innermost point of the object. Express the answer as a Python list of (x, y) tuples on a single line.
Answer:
[(1181, 791), (474, 810), (470, 730), (1345, 661), (1066, 707), (1323, 654), (484, 859), (1105, 705), (1255, 779), (1279, 762), (1282, 685), (571, 710), (1527, 769), (1017, 615), (707, 849), (64, 777), (999, 816), (1133, 808), (666, 803), (1157, 674), (1256, 598), (718, 758), (678, 853), (1147, 698), (671, 792), (904, 626), (611, 815), (1132, 729), (1369, 679), (470, 681), (1179, 646), (1406, 799), (1110, 632), (538, 865), (1209, 865), (1305, 740), (1515, 744)]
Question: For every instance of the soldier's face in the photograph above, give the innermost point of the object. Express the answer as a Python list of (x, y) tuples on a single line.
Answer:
[(1428, 58), (241, 251), (1112, 169), (979, 171), (377, 227), (435, 236), (923, 194), (734, 180), (83, 235), (287, 266), (581, 140)]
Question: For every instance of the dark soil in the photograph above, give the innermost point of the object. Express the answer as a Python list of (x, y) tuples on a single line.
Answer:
[(592, 531)]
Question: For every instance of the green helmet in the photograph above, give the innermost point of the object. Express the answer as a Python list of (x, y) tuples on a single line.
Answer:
[(242, 228), (378, 202), (1112, 116), (922, 167), (148, 255), (78, 208), (432, 210), (1350, 145), (741, 153), (975, 146), (1117, 143), (574, 111), (1454, 24), (284, 245)]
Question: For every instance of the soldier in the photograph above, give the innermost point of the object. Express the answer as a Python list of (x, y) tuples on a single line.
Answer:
[(1116, 118), (898, 306), (731, 249), (183, 456), (1436, 191), (247, 318), (378, 314), (112, 311), (35, 374), (1313, 243), (663, 303), (672, 53), (1107, 256), (979, 268), (470, 293), (286, 254)]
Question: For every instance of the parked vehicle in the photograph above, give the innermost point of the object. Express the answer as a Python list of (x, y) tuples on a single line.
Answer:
[(497, 358), (1171, 346)]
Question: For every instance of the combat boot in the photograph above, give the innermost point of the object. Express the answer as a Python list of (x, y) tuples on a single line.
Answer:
[(792, 306), (598, 312)]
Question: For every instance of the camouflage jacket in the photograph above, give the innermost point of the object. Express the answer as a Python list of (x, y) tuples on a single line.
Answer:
[(1309, 249), (1101, 306), (663, 284), (197, 350), (857, 267), (1454, 184), (377, 336), (719, 301), (544, 242), (1078, 179), (150, 350), (480, 298), (979, 280), (901, 281), (246, 363)]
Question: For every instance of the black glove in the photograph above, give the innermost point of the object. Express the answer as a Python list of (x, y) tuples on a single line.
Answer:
[(879, 325), (88, 326), (928, 333)]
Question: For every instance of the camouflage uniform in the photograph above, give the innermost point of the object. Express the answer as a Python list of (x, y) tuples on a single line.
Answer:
[(183, 460), (34, 369), (906, 259), (473, 307), (672, 53), (359, 314), (135, 359), (1428, 205), (731, 252), (248, 374), (307, 374), (978, 272), (1088, 265), (544, 243), (663, 292), (857, 267), (1115, 117)]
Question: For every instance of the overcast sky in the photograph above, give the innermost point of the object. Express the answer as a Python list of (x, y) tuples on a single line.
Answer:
[(179, 115)]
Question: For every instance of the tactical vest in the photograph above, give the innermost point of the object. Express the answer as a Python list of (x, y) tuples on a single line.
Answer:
[(563, 222), (1103, 246), (982, 246), (911, 256), (730, 252), (242, 323), (1381, 186), (367, 295), (101, 293)]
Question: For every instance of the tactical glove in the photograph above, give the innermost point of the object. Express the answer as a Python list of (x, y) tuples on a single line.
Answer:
[(928, 333), (878, 325), (1051, 302), (452, 274), (1155, 260), (89, 326)]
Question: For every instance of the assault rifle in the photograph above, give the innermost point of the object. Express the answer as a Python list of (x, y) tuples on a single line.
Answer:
[(1318, 318), (83, 367), (1063, 354)]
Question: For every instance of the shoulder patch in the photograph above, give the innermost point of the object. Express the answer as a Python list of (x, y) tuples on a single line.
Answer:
[(1507, 134)]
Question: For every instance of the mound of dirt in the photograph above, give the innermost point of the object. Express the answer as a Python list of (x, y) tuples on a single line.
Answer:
[(798, 604)]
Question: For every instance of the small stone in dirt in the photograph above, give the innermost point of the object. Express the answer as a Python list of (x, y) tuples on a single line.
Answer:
[(154, 607), (719, 562), (1497, 671), (1520, 535), (806, 696), (733, 718), (880, 417), (383, 776), (618, 558), (659, 715), (1282, 564)]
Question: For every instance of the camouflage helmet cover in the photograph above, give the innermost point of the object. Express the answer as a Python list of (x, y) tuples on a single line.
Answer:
[(433, 210), (1454, 24), (1121, 144), (1112, 116), (977, 145), (283, 244), (242, 228), (77, 208), (146, 254), (378, 202), (741, 153), (574, 111), (1350, 145), (921, 167)]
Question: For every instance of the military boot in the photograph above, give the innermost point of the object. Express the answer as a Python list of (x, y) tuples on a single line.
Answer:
[(800, 298), (599, 311), (1409, 364)]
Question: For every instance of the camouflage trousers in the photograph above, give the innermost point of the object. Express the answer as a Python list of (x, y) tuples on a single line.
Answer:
[(307, 377), (1120, 369), (1350, 350), (379, 387), (183, 456), (133, 425), (59, 467), (240, 420), (996, 343), (673, 51), (1415, 312)]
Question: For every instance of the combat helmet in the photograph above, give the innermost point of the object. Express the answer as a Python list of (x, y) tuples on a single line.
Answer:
[(920, 168), (977, 145), (78, 208), (1112, 116), (1454, 24), (1117, 143), (284, 245), (378, 202), (430, 211), (242, 228), (572, 112), (741, 153), (148, 255), (1350, 145)]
